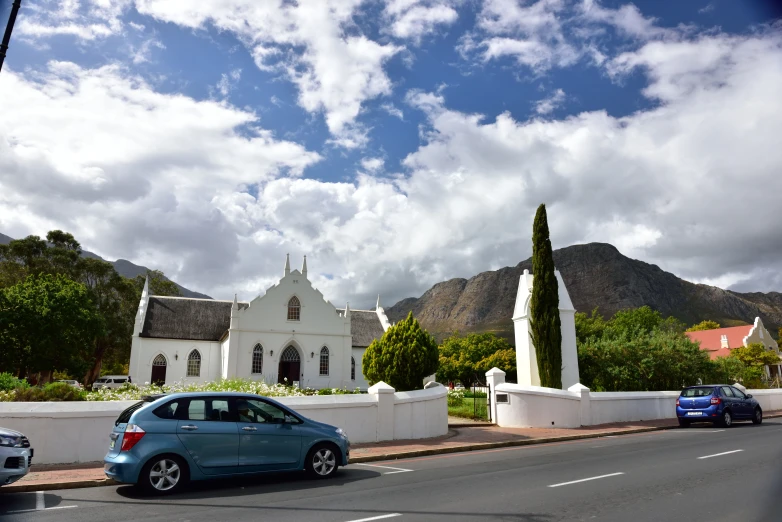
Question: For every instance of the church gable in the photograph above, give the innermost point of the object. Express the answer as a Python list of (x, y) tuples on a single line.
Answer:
[(184, 318)]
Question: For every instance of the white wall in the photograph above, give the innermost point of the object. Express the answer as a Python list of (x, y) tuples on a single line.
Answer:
[(176, 352), (536, 407), (69, 432)]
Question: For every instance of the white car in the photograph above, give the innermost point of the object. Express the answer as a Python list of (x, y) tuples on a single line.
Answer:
[(16, 455), (71, 382), (110, 381)]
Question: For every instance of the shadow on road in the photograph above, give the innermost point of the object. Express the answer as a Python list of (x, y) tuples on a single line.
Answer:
[(27, 501)]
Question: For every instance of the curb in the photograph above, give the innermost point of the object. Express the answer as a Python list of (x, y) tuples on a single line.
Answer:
[(20, 488)]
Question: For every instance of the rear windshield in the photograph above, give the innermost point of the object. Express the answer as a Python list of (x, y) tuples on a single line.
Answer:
[(697, 392), (124, 417)]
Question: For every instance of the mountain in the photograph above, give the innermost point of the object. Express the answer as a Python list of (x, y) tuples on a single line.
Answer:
[(597, 275), (124, 268)]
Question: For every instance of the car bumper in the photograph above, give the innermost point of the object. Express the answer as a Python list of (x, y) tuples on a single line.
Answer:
[(124, 467), (709, 414), (14, 464)]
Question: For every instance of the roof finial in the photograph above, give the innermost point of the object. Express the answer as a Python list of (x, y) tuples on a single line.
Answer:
[(236, 303), (377, 307), (347, 309), (145, 290), (287, 264), (304, 267)]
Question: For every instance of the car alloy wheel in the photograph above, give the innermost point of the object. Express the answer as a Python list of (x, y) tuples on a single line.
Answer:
[(758, 418), (164, 475), (727, 420), (324, 462)]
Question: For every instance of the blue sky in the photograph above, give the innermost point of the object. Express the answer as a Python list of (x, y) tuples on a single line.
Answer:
[(396, 143)]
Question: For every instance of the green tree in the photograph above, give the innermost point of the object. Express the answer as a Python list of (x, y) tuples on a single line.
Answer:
[(588, 326), (47, 323), (755, 354), (467, 359), (402, 357), (545, 327), (704, 325)]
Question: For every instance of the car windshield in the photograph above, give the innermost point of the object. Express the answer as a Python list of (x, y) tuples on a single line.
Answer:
[(697, 392)]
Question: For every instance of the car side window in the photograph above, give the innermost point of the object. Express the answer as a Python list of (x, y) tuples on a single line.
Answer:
[(726, 392), (738, 393), (168, 410), (257, 412), (208, 410)]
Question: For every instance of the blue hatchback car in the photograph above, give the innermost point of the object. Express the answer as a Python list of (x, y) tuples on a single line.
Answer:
[(718, 403), (162, 442)]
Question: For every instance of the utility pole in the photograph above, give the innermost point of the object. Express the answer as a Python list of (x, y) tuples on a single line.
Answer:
[(8, 29)]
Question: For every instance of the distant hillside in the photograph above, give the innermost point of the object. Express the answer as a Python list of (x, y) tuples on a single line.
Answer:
[(596, 275), (124, 268)]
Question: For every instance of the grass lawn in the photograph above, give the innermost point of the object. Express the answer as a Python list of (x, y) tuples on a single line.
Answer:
[(466, 409)]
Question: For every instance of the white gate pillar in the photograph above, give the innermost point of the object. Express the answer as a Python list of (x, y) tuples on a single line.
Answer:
[(494, 377)]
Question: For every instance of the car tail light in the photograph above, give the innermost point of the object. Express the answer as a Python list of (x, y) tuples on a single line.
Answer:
[(716, 400), (133, 434), (677, 402)]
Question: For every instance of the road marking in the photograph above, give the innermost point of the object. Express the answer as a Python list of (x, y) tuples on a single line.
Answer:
[(585, 480), (32, 510), (40, 504), (398, 470), (377, 518), (719, 454)]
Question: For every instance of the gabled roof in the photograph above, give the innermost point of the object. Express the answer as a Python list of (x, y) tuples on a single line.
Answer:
[(184, 318), (711, 340), (365, 327)]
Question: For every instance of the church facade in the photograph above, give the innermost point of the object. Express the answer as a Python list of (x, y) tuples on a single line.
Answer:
[(290, 334)]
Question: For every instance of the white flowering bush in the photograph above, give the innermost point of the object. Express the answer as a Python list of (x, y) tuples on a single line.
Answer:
[(455, 397)]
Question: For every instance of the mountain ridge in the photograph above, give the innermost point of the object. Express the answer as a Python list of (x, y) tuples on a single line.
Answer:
[(124, 268), (598, 276)]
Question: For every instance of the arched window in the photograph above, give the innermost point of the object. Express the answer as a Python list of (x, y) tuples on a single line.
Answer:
[(258, 359), (324, 361), (352, 369), (160, 360), (194, 364), (294, 309)]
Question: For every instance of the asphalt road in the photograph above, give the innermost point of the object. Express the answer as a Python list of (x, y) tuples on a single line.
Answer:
[(693, 474)]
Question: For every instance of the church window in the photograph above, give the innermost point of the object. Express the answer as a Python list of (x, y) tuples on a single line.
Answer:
[(194, 364), (160, 360), (258, 359), (352, 369), (294, 309), (324, 361)]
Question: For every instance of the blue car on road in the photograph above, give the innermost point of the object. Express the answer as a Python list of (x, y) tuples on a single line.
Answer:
[(164, 441), (721, 404)]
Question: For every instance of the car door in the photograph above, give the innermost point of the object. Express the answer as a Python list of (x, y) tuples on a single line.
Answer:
[(210, 435), (730, 401), (743, 408), (269, 438)]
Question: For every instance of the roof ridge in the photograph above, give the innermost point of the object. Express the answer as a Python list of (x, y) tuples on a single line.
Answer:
[(198, 299)]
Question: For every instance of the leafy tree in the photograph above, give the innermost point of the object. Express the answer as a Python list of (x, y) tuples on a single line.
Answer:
[(467, 359), (47, 322), (704, 325), (755, 354), (545, 327), (402, 357), (588, 326)]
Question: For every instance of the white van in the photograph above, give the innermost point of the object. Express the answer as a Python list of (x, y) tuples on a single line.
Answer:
[(110, 381)]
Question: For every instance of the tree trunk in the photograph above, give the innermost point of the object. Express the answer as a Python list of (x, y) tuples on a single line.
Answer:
[(93, 373)]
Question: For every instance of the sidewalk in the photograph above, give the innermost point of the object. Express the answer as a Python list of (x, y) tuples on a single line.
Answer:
[(459, 438)]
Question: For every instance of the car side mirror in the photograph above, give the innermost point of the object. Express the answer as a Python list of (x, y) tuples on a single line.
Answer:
[(749, 396)]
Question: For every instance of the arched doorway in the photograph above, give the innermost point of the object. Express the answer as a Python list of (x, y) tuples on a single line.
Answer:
[(290, 366), (159, 366)]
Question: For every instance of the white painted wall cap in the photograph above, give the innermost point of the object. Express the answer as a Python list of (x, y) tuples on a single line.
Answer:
[(578, 387), (494, 371), (381, 387)]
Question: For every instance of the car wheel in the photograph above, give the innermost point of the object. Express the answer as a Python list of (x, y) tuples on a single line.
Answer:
[(164, 474), (322, 461), (757, 418), (726, 420), (684, 423)]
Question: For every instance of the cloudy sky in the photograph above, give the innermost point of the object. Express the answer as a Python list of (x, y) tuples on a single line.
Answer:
[(396, 143)]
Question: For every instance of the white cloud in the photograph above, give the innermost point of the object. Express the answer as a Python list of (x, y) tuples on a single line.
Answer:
[(414, 19), (547, 105), (144, 51), (391, 109), (627, 19), (372, 165), (88, 20), (228, 82)]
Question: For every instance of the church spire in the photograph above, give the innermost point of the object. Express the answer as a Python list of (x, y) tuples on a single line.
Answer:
[(287, 264), (304, 267)]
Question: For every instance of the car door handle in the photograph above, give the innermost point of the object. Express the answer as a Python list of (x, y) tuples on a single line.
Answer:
[(249, 428), (189, 427)]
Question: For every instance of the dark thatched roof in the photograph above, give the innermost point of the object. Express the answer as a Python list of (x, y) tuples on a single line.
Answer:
[(192, 319), (208, 320), (365, 327)]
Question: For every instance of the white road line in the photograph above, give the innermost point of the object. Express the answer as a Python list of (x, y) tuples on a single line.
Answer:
[(31, 510), (585, 480), (377, 518), (40, 504), (396, 470), (719, 454)]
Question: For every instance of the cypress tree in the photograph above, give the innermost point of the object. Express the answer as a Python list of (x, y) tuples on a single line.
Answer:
[(544, 305)]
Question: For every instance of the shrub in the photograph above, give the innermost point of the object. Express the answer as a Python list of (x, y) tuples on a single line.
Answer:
[(33, 394), (9, 382), (455, 397), (60, 391)]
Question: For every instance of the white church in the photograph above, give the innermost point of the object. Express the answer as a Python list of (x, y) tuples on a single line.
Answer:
[(290, 334)]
